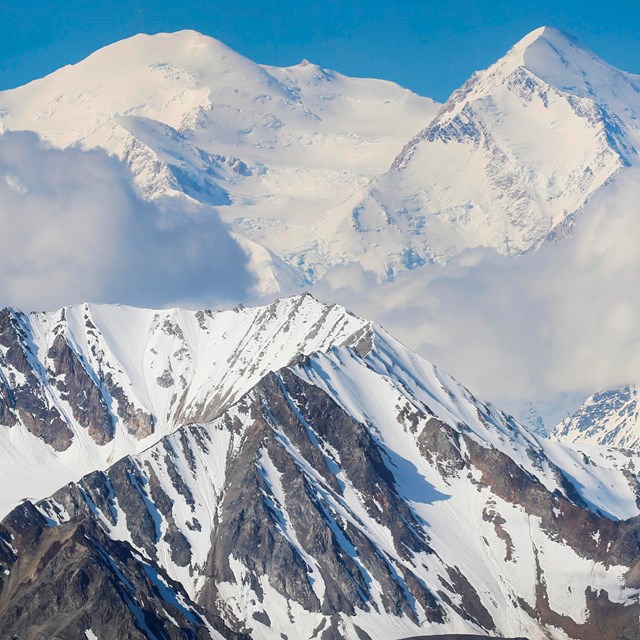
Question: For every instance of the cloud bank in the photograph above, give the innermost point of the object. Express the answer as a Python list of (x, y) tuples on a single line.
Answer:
[(560, 322), (72, 229)]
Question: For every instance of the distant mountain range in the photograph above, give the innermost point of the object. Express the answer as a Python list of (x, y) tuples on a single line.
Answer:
[(314, 169)]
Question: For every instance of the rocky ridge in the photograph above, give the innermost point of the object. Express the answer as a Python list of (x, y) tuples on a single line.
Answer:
[(356, 492), (86, 385)]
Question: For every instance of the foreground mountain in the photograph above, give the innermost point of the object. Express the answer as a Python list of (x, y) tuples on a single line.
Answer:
[(314, 169), (84, 386), (335, 486)]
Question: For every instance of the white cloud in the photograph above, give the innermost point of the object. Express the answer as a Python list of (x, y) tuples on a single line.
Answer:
[(72, 229), (563, 321)]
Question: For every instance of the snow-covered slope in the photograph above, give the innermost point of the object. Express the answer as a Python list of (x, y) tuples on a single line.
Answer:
[(513, 154), (275, 148), (86, 385), (313, 169), (353, 492), (609, 418)]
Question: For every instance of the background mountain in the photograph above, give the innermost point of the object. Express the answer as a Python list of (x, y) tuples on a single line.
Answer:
[(276, 149), (314, 169), (515, 153), (341, 487), (608, 417)]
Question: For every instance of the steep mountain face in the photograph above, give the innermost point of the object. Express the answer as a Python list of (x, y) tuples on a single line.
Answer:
[(83, 584), (353, 492), (86, 385), (514, 153), (609, 418)]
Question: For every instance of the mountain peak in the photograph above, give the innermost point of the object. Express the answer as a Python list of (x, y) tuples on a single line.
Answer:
[(183, 38), (546, 34), (161, 368), (364, 476), (561, 60), (187, 49), (547, 92)]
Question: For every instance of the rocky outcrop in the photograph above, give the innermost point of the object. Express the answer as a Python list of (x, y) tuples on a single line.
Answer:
[(136, 421), (79, 389), (23, 394), (66, 581), (251, 515)]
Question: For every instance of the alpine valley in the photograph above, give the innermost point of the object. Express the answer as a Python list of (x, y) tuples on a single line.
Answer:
[(291, 471)]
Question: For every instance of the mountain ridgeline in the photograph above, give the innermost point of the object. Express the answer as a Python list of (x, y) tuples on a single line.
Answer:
[(302, 474), (313, 169)]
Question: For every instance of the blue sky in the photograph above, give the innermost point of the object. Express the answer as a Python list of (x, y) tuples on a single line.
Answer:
[(430, 47)]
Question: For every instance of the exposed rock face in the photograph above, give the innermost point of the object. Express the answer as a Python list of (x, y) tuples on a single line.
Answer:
[(251, 516), (356, 493), (79, 389), (66, 581), (23, 396), (136, 421)]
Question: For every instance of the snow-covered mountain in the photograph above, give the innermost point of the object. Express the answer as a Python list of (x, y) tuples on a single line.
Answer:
[(86, 385), (294, 470), (291, 470), (275, 148), (514, 153), (609, 418), (313, 169)]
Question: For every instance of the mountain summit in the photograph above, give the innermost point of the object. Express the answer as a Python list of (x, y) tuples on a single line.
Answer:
[(197, 124), (515, 153), (313, 169), (564, 62)]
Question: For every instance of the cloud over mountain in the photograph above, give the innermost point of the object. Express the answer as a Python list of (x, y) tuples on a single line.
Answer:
[(561, 320), (74, 229)]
